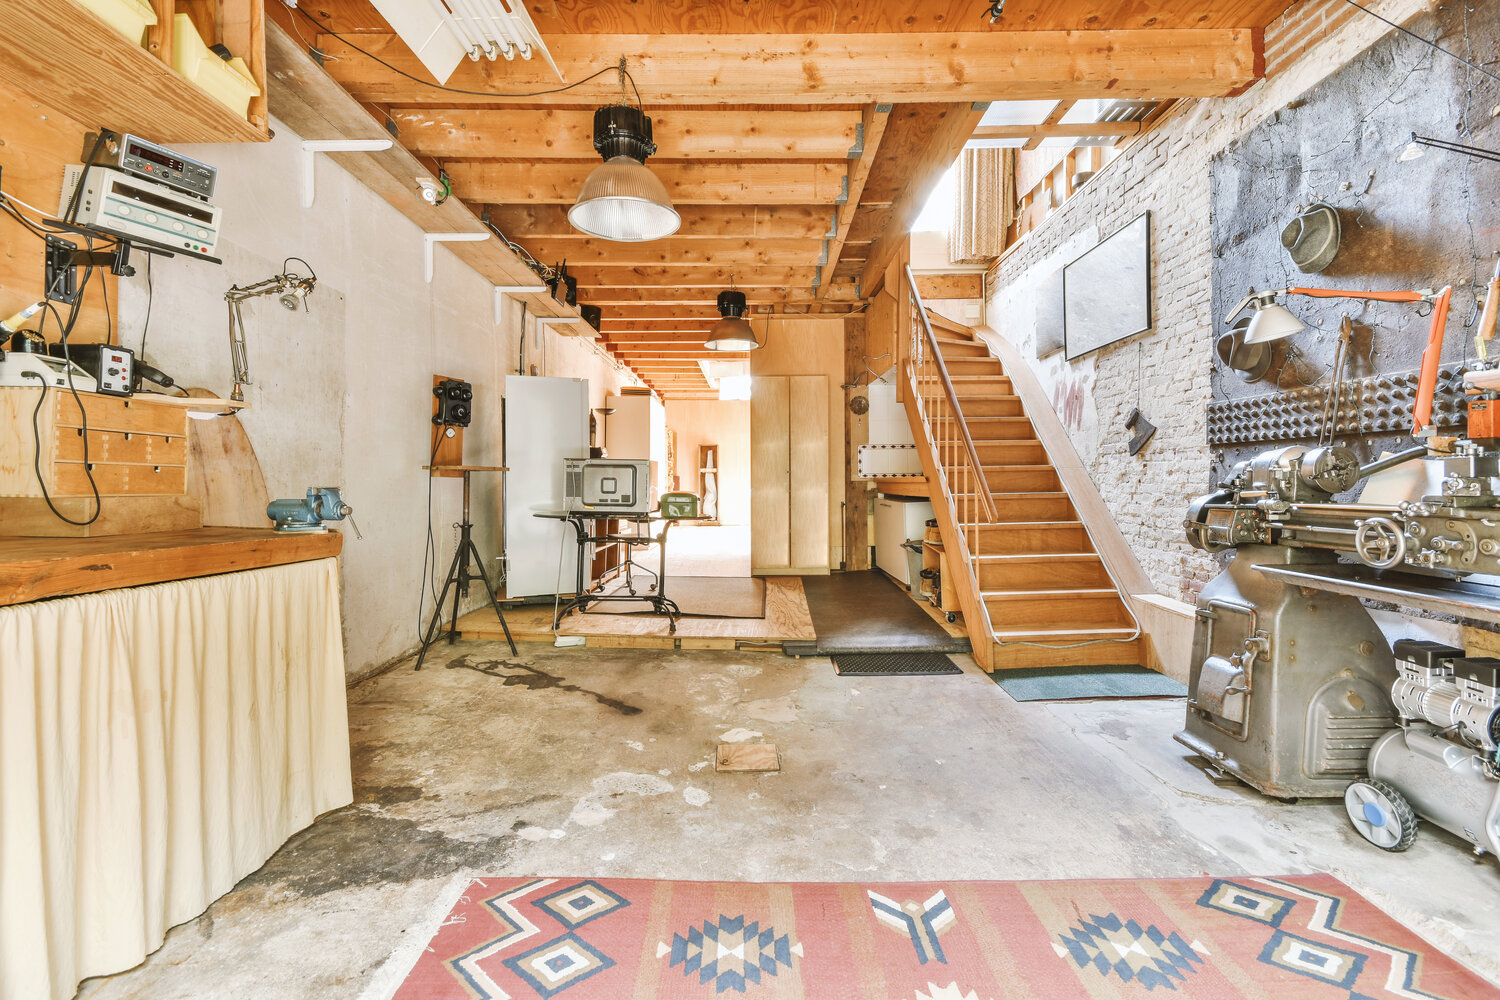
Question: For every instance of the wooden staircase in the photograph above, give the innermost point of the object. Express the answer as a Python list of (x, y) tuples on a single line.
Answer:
[(1033, 578)]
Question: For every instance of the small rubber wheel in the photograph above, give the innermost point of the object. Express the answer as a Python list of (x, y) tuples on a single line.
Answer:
[(1381, 814), (952, 617)]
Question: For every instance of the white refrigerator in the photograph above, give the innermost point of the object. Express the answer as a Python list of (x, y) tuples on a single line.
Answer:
[(546, 421), (897, 521)]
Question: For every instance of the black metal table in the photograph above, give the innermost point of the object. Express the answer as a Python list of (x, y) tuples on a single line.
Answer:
[(580, 520)]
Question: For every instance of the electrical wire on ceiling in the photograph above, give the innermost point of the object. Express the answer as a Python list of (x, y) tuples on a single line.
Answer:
[(624, 73), (1430, 44)]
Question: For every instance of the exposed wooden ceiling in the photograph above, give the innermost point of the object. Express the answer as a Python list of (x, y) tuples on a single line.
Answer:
[(797, 140)]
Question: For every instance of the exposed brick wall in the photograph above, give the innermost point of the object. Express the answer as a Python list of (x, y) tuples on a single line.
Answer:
[(1166, 372)]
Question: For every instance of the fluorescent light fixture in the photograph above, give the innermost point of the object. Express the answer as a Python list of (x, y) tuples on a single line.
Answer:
[(622, 200)]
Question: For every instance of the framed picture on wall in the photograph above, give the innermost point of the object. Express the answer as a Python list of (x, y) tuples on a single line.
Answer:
[(1107, 291)]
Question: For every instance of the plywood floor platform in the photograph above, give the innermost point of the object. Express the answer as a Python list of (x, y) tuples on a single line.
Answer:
[(786, 620)]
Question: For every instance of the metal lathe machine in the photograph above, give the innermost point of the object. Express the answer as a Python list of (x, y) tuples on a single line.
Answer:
[(1294, 689)]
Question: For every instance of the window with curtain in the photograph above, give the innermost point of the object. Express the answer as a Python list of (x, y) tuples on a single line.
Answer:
[(984, 205)]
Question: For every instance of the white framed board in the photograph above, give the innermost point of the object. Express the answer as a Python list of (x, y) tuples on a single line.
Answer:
[(1107, 291)]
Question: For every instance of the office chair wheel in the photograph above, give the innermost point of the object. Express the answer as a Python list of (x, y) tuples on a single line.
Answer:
[(1381, 814), (952, 617)]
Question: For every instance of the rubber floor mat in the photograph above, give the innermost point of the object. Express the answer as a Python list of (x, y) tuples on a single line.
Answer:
[(893, 664)]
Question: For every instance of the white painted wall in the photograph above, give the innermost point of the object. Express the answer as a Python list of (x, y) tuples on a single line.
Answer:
[(342, 393)]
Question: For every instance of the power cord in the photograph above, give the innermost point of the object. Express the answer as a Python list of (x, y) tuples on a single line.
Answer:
[(429, 552)]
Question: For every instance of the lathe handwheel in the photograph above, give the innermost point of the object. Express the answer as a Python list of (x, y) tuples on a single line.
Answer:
[(1380, 542)]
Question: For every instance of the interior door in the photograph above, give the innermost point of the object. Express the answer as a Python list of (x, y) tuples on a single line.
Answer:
[(809, 471), (770, 469)]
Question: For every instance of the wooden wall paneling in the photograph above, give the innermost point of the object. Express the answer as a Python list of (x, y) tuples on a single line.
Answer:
[(36, 144), (810, 493), (856, 432), (770, 466)]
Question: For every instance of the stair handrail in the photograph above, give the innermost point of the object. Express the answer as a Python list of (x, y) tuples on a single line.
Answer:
[(971, 453)]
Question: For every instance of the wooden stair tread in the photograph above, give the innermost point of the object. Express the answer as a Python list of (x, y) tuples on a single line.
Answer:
[(1063, 634), (1039, 556), (1017, 595)]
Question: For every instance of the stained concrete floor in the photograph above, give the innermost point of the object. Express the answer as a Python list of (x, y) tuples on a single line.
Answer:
[(599, 762)]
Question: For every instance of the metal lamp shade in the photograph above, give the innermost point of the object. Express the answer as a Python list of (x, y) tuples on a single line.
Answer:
[(731, 334), (624, 201), (1272, 322)]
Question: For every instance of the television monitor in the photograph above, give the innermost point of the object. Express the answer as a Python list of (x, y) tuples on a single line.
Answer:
[(608, 484)]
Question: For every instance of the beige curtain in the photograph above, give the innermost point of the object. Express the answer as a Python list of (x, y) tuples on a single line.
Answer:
[(985, 205), (157, 744)]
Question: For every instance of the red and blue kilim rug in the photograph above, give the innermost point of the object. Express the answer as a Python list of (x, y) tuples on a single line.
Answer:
[(1306, 936)]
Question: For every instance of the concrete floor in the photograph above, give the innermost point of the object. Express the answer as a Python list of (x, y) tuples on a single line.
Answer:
[(599, 762)]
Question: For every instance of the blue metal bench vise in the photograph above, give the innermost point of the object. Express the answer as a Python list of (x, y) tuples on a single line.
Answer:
[(323, 503)]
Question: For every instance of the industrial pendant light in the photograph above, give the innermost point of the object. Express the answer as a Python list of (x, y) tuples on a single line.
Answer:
[(733, 332), (622, 200)]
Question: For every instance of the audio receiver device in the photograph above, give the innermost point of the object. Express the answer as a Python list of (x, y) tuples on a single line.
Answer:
[(135, 155), (143, 210)]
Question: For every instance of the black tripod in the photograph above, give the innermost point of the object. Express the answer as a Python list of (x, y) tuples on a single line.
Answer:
[(459, 576)]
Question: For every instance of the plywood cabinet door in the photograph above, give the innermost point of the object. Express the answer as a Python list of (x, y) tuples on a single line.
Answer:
[(809, 471), (770, 472), (789, 526)]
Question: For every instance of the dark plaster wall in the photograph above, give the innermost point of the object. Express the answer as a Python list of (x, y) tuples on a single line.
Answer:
[(1424, 223)]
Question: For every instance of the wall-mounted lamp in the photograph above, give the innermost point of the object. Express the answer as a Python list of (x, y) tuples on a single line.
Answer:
[(622, 200), (1277, 321), (1413, 149), (733, 332), (291, 289)]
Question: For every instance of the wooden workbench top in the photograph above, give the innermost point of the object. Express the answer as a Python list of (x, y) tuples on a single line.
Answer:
[(36, 568)]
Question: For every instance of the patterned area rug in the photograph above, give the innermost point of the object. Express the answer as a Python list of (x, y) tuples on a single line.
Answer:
[(622, 939)]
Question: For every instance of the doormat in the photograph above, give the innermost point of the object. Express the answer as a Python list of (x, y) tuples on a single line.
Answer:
[(1074, 683), (1304, 936), (697, 597), (893, 664)]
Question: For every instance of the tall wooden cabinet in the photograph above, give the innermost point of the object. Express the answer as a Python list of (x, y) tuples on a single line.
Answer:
[(789, 529)]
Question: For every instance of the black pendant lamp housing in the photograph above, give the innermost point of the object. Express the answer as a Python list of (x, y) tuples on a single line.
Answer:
[(733, 332), (731, 304), (621, 130)]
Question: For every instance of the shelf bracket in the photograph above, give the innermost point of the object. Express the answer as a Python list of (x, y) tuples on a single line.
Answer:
[(428, 239), (501, 291), (312, 147)]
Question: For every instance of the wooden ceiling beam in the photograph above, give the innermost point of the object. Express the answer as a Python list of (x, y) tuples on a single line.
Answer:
[(876, 117), (1053, 118), (707, 183), (678, 278), (924, 168), (525, 223), (701, 299), (745, 252), (1059, 131), (939, 67), (660, 329), (568, 134)]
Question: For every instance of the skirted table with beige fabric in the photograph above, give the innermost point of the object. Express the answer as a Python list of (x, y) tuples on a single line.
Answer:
[(157, 744)]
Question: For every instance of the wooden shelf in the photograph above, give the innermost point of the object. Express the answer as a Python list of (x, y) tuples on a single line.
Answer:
[(62, 56)]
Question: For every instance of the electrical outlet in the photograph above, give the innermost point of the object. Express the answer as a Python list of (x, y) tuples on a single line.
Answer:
[(60, 273)]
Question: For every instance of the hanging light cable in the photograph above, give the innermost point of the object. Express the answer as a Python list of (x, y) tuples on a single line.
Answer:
[(622, 200)]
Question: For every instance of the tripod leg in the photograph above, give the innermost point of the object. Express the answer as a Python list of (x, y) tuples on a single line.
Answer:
[(437, 615), (479, 563), (460, 577)]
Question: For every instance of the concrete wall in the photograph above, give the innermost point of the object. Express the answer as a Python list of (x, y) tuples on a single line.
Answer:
[(342, 393), (721, 422), (1166, 371)]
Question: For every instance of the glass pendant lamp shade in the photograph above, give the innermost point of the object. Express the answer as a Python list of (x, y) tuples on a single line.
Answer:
[(1272, 322), (733, 332), (622, 200)]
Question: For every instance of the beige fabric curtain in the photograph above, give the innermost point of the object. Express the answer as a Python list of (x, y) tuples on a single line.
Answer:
[(985, 205), (157, 744)]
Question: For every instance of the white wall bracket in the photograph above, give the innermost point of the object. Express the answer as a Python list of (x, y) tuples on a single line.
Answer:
[(428, 239), (311, 147), (501, 291)]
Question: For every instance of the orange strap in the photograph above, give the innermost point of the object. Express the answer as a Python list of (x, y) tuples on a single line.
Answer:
[(1427, 381), (1329, 293)]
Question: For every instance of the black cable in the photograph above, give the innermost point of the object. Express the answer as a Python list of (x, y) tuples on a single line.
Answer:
[(71, 215), (146, 326), (437, 86), (310, 272), (66, 328), (429, 553), (1430, 44)]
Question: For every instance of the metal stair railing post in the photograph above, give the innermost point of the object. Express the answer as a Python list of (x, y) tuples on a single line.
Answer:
[(964, 489)]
